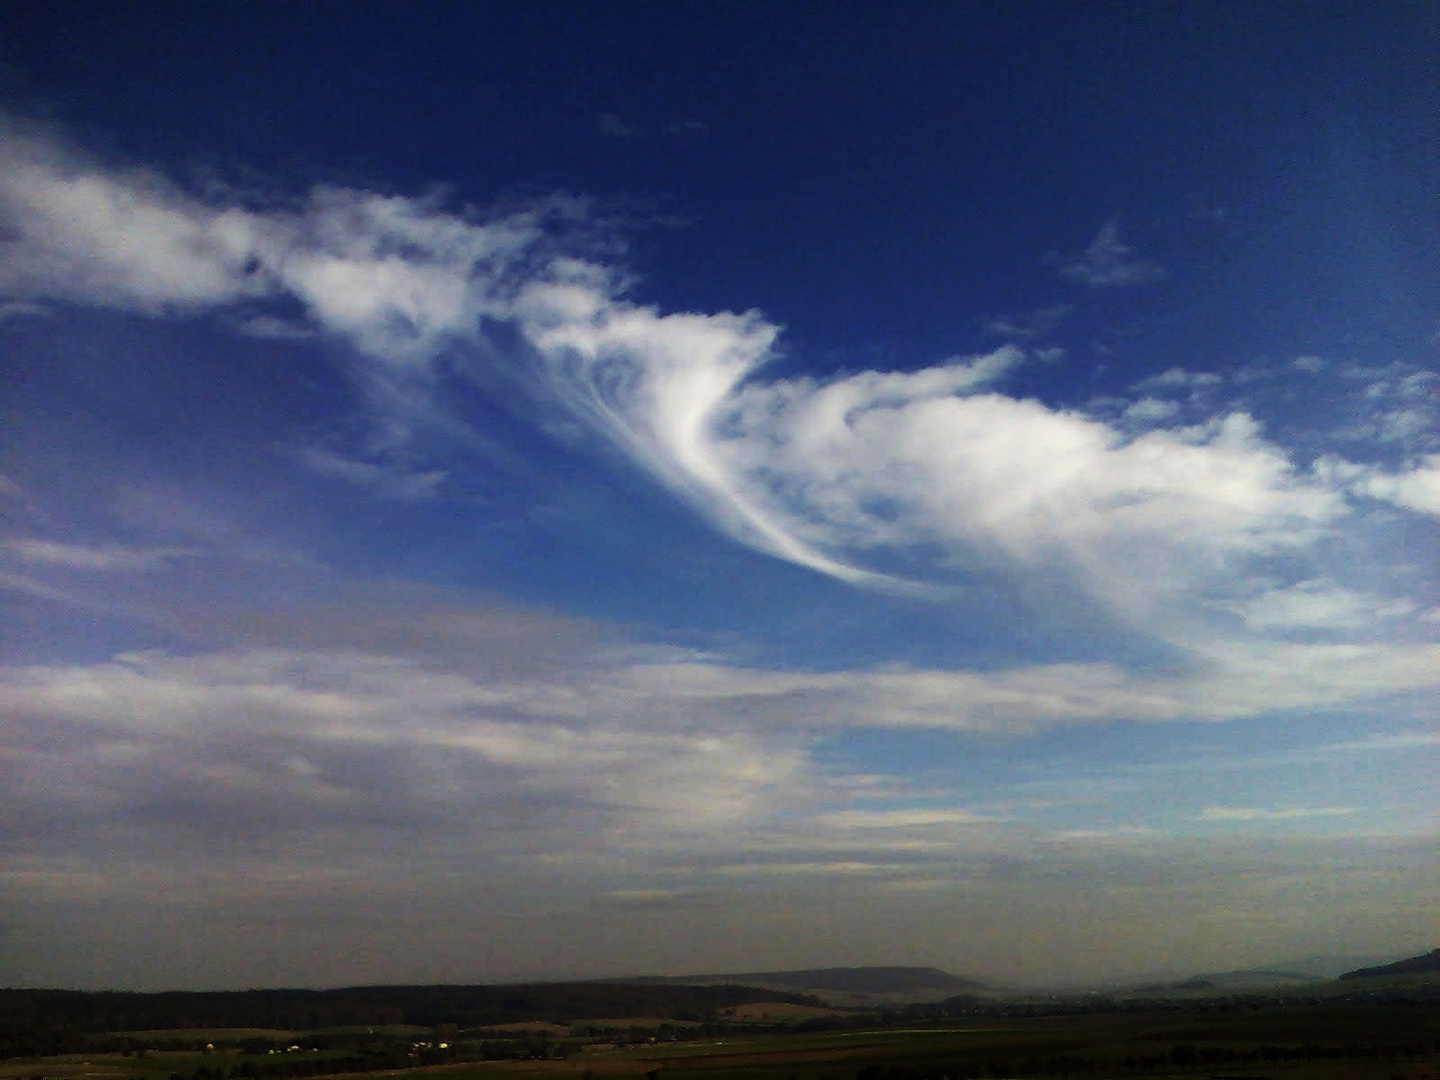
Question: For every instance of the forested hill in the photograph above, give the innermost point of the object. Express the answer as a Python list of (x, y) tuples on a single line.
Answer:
[(1415, 965), (63, 1013)]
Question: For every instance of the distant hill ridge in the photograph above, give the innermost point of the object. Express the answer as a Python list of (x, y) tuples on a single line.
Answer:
[(1414, 965), (1231, 980), (855, 980), (424, 1006)]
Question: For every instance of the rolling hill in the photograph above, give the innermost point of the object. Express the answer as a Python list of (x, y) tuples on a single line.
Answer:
[(1414, 965), (890, 982)]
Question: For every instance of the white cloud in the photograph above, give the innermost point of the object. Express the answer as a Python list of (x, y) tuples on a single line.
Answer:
[(1416, 488), (1138, 522), (1405, 425), (395, 275), (822, 473), (155, 752), (446, 756), (21, 309), (1120, 834), (1025, 325), (849, 476), (129, 241), (1402, 741), (273, 741), (1150, 410), (616, 127), (649, 898), (901, 819), (1320, 605), (389, 479), (1250, 813), (270, 328), (1244, 681), (29, 587), (1176, 379), (1107, 263), (655, 384), (92, 557), (1399, 407), (825, 868)]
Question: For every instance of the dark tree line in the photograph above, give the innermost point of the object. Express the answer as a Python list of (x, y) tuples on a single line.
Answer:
[(40, 1022)]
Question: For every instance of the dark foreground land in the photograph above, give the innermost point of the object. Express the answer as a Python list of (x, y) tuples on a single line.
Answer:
[(738, 1034)]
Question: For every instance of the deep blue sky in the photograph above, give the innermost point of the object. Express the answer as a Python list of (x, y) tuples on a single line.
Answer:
[(702, 485)]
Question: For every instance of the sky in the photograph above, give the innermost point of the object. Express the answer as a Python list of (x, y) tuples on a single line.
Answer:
[(534, 491)]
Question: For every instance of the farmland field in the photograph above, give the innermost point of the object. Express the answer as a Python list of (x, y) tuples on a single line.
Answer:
[(1282, 1043)]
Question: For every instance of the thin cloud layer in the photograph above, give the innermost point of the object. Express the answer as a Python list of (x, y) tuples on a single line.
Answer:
[(1108, 262), (321, 775), (99, 558), (258, 745), (261, 745)]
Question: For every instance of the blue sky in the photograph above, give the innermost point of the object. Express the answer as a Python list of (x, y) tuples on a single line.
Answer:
[(517, 491)]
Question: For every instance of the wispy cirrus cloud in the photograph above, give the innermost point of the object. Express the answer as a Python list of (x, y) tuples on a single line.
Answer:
[(1289, 813), (97, 557), (396, 276), (388, 478), (614, 126), (902, 479), (1402, 741), (21, 309), (1027, 325), (271, 328), (902, 819), (1108, 262)]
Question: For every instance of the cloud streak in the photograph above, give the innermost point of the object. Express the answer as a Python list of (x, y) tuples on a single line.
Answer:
[(1107, 263), (269, 786), (439, 752), (1292, 813), (260, 744), (103, 557), (249, 752)]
